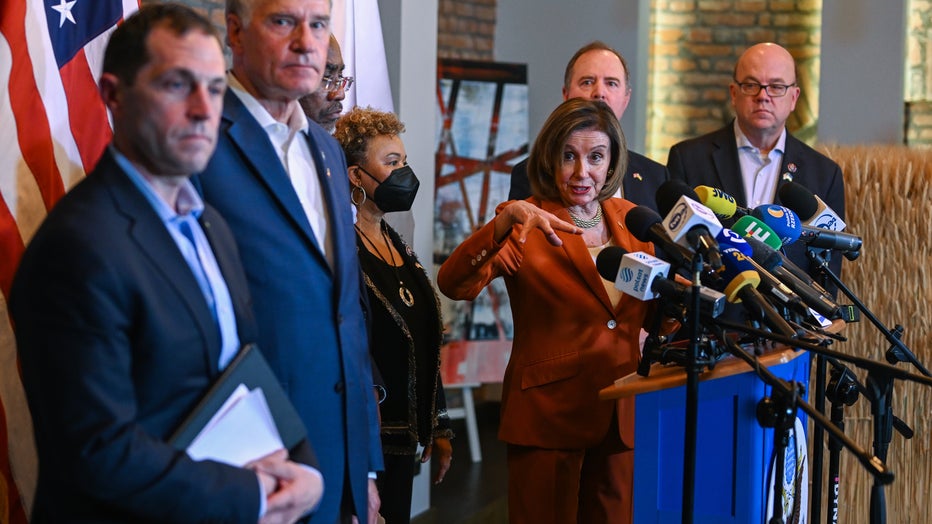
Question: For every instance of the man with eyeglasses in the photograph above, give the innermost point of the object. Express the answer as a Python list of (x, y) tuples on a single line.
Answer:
[(325, 105), (751, 157)]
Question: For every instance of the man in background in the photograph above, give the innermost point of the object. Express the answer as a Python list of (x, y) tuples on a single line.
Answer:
[(131, 299), (598, 72), (325, 105), (280, 181), (752, 156)]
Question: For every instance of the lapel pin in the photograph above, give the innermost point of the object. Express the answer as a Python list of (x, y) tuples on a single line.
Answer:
[(328, 172), (637, 176), (792, 167), (787, 177)]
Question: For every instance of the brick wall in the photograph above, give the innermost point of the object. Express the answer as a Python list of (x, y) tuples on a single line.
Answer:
[(919, 74), (466, 29), (694, 46)]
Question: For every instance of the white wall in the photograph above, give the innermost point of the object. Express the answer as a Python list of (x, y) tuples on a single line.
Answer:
[(544, 34), (409, 28), (861, 90)]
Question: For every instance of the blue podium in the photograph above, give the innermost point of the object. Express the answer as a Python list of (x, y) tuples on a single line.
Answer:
[(734, 454)]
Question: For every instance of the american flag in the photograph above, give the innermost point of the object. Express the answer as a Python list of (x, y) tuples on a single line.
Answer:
[(53, 128)]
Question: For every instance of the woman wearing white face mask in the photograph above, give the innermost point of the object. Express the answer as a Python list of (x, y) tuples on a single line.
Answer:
[(406, 329)]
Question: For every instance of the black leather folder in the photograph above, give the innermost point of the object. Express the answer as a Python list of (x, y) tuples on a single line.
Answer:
[(250, 368)]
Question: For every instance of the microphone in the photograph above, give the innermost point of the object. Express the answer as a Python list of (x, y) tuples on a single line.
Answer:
[(644, 277), (786, 224), (720, 202), (646, 225), (768, 282), (688, 222), (749, 226), (810, 208), (808, 290), (742, 288)]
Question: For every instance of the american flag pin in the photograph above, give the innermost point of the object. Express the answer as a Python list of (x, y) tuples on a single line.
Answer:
[(637, 176)]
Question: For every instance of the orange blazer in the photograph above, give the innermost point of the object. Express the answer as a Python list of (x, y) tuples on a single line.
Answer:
[(569, 342)]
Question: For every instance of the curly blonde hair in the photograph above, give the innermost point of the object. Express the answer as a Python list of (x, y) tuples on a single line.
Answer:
[(355, 128)]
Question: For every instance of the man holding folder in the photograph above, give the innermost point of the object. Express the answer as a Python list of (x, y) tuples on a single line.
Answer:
[(130, 301)]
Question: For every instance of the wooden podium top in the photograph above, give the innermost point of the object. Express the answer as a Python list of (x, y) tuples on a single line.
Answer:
[(671, 376)]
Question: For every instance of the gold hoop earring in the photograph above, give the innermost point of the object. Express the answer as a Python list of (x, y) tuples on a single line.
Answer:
[(353, 197)]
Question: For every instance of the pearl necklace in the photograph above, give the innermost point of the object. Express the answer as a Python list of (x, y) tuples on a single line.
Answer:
[(588, 223)]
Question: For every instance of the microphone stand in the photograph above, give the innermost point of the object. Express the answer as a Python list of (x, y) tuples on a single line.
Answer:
[(898, 351), (693, 368), (880, 384), (818, 434), (873, 464), (881, 388), (778, 411), (842, 391)]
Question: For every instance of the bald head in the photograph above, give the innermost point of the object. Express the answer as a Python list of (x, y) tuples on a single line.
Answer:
[(770, 54)]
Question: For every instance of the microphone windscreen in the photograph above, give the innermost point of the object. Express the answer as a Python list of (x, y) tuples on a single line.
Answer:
[(738, 272), (781, 220), (728, 238), (752, 227), (802, 201), (608, 260), (670, 192), (764, 255), (639, 220), (721, 203)]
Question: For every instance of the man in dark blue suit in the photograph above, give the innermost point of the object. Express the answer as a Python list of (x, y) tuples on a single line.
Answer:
[(130, 300), (281, 183), (598, 72), (754, 155)]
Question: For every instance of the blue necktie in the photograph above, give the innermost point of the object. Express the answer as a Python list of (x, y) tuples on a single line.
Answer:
[(202, 279)]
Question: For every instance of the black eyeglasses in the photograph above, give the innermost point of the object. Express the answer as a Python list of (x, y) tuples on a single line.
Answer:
[(328, 83), (752, 88)]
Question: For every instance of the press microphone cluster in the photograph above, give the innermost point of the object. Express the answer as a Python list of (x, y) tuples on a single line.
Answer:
[(767, 228), (744, 262)]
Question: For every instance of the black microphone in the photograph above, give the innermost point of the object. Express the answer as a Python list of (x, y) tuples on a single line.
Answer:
[(647, 226), (811, 293), (810, 208), (644, 277)]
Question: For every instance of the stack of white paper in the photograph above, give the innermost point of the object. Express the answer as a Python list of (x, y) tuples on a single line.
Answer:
[(241, 431)]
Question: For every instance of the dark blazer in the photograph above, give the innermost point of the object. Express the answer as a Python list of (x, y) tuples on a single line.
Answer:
[(311, 324), (642, 178), (712, 160), (117, 344), (561, 356)]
